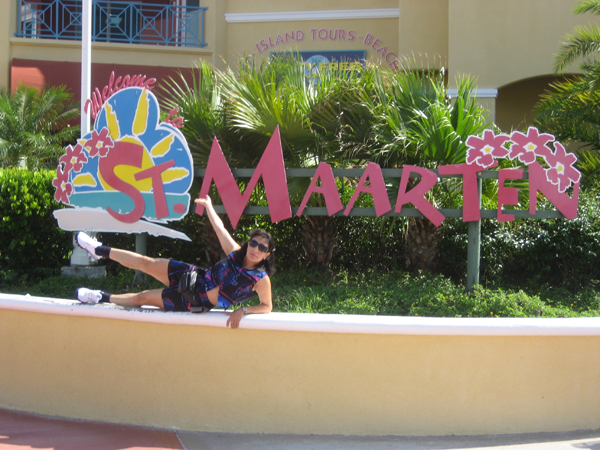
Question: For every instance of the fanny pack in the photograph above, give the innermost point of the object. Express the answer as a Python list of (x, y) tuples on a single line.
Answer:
[(187, 288)]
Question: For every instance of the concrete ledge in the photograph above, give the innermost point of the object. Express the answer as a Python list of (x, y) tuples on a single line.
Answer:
[(320, 323), (299, 373)]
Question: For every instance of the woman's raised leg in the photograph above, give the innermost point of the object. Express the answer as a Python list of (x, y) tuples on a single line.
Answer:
[(155, 267)]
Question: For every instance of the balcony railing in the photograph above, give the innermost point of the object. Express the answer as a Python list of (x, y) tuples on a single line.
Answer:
[(132, 22)]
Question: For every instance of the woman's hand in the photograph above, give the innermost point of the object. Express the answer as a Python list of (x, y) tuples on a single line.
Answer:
[(235, 317), (263, 289), (227, 243), (206, 201)]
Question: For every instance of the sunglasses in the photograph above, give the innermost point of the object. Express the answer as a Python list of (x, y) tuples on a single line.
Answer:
[(254, 243)]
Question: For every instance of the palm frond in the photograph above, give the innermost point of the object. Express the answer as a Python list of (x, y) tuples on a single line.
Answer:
[(585, 6), (34, 126), (584, 42)]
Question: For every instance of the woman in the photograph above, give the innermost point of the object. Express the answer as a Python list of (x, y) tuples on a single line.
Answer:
[(244, 273)]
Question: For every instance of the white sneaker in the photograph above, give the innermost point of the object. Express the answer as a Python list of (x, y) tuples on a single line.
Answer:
[(89, 244), (85, 295)]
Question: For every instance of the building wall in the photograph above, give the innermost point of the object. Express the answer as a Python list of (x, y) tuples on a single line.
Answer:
[(251, 32), (516, 101), (501, 43), (245, 6), (8, 21), (423, 31), (510, 45)]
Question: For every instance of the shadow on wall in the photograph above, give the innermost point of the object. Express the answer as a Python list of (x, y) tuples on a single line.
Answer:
[(516, 101)]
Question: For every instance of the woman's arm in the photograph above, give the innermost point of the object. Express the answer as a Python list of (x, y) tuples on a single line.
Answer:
[(263, 289), (227, 243)]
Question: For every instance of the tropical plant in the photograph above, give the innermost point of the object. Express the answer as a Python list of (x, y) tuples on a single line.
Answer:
[(277, 93), (35, 126), (571, 108), (343, 118), (416, 123), (201, 103)]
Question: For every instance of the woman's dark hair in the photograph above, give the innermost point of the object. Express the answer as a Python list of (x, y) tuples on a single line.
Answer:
[(268, 265)]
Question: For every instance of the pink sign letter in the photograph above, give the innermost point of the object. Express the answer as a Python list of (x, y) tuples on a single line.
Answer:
[(270, 167), (376, 189), (328, 188), (416, 194)]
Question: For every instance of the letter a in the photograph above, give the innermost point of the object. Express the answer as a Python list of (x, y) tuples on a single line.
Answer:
[(377, 189), (328, 188), (270, 167)]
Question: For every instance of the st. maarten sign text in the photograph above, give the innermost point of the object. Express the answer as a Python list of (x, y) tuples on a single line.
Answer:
[(552, 181), (133, 172)]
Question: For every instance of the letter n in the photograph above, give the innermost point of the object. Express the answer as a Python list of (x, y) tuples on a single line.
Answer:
[(538, 182), (270, 167)]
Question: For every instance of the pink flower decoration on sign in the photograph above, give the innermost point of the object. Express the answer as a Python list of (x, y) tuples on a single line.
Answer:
[(74, 158), (482, 151), (99, 144), (561, 171), (64, 189), (527, 147)]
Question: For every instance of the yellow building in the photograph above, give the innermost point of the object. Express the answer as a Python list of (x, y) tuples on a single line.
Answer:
[(508, 45)]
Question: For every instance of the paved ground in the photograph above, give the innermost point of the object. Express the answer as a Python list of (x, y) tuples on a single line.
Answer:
[(24, 431)]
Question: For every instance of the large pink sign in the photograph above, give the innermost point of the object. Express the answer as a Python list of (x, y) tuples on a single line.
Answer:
[(132, 172), (531, 148)]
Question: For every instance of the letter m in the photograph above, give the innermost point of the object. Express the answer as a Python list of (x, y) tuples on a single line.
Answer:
[(270, 167)]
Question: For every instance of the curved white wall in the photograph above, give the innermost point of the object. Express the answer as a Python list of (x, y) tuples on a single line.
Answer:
[(296, 373)]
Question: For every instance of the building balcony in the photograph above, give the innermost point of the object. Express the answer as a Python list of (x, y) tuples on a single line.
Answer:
[(132, 22)]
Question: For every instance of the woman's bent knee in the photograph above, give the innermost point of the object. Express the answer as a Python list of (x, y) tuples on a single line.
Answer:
[(150, 298)]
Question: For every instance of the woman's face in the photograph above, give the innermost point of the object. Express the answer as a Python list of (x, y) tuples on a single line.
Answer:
[(257, 254)]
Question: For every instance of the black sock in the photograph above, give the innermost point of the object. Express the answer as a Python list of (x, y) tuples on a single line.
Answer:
[(105, 298), (102, 250)]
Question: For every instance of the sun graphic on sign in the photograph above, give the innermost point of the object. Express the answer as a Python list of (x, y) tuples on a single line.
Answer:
[(131, 165)]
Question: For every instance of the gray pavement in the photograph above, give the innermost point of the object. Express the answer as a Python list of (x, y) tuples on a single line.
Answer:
[(19, 431), (537, 441)]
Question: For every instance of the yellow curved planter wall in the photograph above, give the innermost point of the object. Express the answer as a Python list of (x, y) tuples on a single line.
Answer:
[(73, 363)]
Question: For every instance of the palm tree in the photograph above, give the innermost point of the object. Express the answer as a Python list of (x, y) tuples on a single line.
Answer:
[(242, 110), (416, 123), (571, 109), (35, 126), (344, 119), (583, 43), (276, 93), (201, 103)]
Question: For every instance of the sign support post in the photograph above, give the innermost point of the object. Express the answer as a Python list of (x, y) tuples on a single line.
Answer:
[(474, 246), (79, 256)]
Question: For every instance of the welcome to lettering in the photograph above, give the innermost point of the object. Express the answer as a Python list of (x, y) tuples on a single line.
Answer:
[(99, 98)]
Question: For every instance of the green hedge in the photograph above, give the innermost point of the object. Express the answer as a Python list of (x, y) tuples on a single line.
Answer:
[(531, 252), (520, 253), (30, 240)]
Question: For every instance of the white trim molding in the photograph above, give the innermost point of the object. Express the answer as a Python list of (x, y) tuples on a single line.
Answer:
[(479, 93), (293, 16), (318, 323)]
